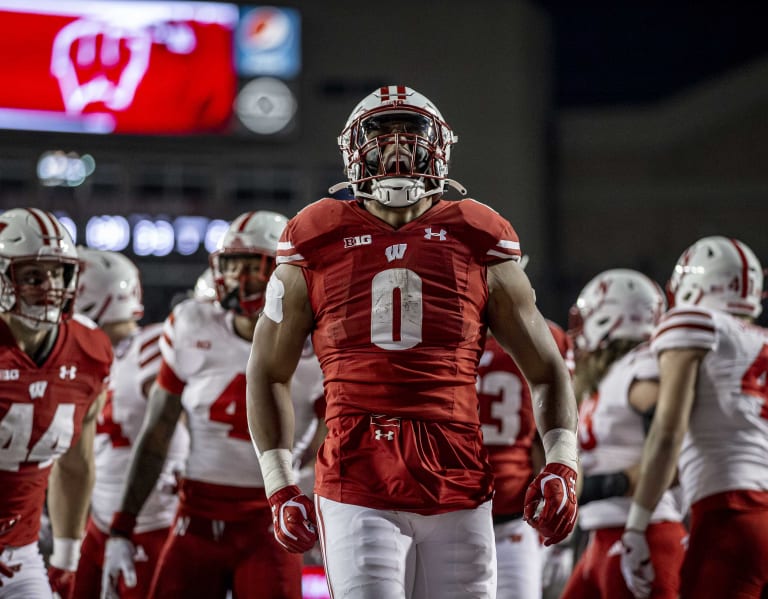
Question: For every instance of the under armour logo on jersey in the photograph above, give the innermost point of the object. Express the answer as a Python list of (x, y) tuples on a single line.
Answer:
[(350, 242), (37, 389), (395, 252), (428, 234), (68, 372), (380, 434), (141, 554)]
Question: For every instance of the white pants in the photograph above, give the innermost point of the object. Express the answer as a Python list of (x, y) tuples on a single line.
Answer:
[(519, 559), (377, 554), (31, 580)]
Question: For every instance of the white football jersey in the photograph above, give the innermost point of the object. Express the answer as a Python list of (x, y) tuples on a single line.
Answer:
[(200, 345), (726, 446), (611, 438), (137, 359)]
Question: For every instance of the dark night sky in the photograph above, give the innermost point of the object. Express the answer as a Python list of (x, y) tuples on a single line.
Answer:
[(626, 53)]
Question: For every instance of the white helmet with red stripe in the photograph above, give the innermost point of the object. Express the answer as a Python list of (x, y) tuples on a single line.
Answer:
[(720, 273), (29, 235), (396, 147), (109, 288), (250, 234), (617, 304)]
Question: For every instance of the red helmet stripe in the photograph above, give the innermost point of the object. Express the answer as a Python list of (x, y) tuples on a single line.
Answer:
[(245, 222), (107, 302), (401, 93), (744, 268), (41, 224), (384, 91)]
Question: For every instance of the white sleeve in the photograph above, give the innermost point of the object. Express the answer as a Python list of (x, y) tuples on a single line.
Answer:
[(685, 327)]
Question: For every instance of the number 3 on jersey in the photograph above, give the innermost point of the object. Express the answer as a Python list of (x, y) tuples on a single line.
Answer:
[(229, 408), (16, 433)]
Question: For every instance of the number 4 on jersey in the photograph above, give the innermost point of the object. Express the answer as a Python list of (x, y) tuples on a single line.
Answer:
[(755, 380), (229, 408), (16, 433)]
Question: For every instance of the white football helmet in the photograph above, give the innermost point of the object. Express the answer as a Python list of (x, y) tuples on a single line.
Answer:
[(109, 288), (616, 304), (29, 235), (396, 117), (250, 234), (720, 273), (205, 288)]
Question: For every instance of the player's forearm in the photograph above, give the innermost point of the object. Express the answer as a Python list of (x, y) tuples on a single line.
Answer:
[(149, 455), (659, 465), (270, 413), (554, 405), (69, 495)]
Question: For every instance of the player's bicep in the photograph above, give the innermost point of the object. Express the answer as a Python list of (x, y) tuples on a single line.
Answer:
[(517, 323), (287, 320)]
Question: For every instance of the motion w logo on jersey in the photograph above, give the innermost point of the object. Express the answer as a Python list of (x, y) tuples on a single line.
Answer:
[(37, 389), (384, 427), (395, 252)]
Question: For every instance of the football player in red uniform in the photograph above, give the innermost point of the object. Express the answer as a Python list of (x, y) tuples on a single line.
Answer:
[(398, 287), (221, 538), (711, 426), (53, 371)]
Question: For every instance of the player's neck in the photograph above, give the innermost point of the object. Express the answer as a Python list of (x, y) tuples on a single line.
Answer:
[(36, 343), (397, 217)]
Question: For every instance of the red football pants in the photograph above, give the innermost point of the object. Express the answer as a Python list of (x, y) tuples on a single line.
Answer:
[(89, 568), (597, 575), (204, 558), (727, 555)]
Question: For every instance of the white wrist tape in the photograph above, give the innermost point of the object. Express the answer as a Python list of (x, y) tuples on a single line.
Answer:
[(66, 554), (638, 517), (560, 446), (277, 469)]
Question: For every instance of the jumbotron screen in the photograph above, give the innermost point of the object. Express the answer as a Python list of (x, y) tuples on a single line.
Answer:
[(135, 67)]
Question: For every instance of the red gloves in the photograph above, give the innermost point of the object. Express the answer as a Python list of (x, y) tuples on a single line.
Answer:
[(550, 503), (293, 517), (62, 582)]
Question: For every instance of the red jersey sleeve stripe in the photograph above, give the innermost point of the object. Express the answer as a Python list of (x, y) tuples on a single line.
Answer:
[(149, 359), (684, 325), (167, 339), (149, 343), (168, 380)]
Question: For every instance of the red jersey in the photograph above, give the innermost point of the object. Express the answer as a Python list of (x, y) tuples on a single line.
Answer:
[(399, 330), (506, 413), (41, 414)]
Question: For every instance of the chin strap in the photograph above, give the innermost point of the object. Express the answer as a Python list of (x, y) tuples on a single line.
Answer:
[(449, 182)]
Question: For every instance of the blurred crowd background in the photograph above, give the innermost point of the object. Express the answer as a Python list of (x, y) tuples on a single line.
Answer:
[(609, 135)]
